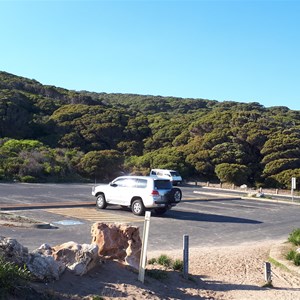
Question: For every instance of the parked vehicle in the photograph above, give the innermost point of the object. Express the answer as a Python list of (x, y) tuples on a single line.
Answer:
[(139, 193), (172, 175)]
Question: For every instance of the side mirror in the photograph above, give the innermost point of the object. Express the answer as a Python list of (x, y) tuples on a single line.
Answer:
[(113, 184)]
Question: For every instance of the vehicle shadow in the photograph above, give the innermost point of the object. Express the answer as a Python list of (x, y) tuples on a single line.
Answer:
[(198, 217), (211, 200)]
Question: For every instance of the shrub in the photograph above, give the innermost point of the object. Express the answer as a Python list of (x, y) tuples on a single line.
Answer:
[(291, 255), (164, 260), (296, 259), (294, 237), (232, 173), (12, 277), (152, 261), (177, 265), (28, 179)]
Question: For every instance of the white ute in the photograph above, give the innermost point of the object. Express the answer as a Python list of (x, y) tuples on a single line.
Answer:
[(172, 175)]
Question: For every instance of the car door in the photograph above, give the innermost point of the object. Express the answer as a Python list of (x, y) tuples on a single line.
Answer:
[(122, 190), (115, 191), (127, 191)]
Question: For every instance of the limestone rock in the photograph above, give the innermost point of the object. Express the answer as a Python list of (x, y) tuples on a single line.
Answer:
[(118, 241), (109, 241), (41, 267), (13, 251), (77, 258), (44, 267)]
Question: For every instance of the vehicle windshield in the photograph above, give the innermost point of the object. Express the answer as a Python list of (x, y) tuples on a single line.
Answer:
[(174, 173), (162, 184)]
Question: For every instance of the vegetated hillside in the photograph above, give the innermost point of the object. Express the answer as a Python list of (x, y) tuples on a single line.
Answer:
[(50, 133)]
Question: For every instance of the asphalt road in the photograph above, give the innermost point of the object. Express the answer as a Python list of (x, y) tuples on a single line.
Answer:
[(208, 219)]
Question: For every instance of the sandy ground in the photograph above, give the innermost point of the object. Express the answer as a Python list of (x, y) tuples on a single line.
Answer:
[(222, 273)]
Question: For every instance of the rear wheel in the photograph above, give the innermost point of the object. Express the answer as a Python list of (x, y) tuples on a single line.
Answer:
[(177, 194), (137, 207), (101, 202)]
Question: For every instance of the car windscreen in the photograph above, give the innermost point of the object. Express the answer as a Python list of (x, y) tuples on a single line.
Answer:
[(173, 174), (162, 184)]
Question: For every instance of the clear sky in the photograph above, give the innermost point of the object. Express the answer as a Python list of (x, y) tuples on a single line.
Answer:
[(244, 51)]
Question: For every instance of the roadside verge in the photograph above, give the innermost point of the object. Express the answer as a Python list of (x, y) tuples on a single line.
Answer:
[(277, 256)]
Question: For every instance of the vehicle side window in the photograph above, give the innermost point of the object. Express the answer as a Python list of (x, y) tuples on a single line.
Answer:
[(125, 182), (130, 183), (120, 182), (141, 183), (153, 173)]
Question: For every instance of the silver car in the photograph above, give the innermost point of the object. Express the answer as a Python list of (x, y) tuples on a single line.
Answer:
[(139, 193)]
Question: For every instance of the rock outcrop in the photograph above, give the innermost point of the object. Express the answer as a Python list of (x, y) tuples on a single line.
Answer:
[(77, 258), (42, 267), (109, 241), (118, 241), (11, 250)]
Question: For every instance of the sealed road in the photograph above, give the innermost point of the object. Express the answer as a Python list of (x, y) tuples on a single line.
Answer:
[(207, 219)]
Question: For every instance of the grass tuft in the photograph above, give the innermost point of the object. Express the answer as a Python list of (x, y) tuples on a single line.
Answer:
[(167, 263), (294, 237), (164, 260), (12, 277), (177, 265), (291, 255)]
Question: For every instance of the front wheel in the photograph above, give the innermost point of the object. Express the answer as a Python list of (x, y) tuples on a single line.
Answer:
[(137, 207), (101, 202)]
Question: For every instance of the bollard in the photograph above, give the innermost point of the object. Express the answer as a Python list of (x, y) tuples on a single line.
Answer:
[(143, 258), (268, 273), (185, 256)]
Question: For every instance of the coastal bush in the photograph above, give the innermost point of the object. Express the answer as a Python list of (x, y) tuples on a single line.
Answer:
[(12, 277), (294, 237)]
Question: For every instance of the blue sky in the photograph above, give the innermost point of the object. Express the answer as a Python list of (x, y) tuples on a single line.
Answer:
[(244, 51)]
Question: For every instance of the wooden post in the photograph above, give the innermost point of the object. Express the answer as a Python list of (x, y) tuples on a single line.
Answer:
[(143, 258)]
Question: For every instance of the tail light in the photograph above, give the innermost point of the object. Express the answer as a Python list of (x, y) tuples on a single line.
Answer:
[(155, 193)]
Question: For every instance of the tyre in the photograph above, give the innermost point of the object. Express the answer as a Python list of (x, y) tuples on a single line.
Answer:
[(101, 202), (160, 211), (137, 207), (177, 194)]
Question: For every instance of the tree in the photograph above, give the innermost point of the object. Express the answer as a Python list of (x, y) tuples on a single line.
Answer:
[(101, 165), (22, 158), (168, 158), (88, 128), (284, 178), (232, 173)]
